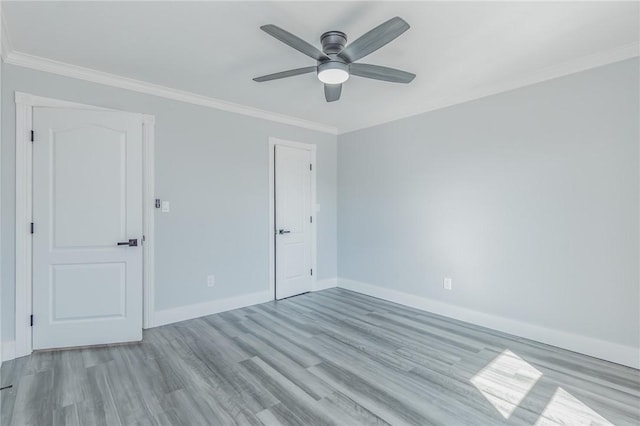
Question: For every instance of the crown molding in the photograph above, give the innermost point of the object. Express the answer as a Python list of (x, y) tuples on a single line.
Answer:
[(583, 63), (69, 70), (61, 68)]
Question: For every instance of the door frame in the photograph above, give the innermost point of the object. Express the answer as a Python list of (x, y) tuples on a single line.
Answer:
[(272, 217), (25, 103)]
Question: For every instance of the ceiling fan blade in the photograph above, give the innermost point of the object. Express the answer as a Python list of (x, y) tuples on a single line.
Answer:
[(381, 73), (285, 74), (294, 41), (332, 92), (374, 39)]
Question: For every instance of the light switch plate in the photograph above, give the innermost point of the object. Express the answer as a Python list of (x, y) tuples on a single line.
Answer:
[(165, 207), (448, 283)]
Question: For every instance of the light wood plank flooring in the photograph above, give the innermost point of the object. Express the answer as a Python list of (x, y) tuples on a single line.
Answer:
[(331, 357)]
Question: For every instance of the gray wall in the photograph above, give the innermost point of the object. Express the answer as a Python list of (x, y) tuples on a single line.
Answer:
[(528, 199), (212, 166)]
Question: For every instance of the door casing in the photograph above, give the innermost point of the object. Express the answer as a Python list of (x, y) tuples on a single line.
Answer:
[(272, 225), (24, 191)]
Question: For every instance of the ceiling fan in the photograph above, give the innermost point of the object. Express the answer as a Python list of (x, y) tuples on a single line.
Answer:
[(337, 62)]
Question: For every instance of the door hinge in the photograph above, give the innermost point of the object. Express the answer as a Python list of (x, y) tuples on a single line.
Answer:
[(33, 137), (311, 271), (310, 167), (310, 219), (31, 320), (32, 227)]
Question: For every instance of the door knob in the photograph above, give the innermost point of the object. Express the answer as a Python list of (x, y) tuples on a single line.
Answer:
[(131, 243), (282, 231)]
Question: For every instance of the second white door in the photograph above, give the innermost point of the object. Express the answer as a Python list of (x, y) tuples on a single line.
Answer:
[(293, 220)]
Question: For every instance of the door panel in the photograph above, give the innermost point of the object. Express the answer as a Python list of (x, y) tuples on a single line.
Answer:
[(102, 286), (293, 217), (79, 170), (87, 197)]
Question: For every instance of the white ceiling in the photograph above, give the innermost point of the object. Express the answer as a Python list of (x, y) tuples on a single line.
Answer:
[(459, 50)]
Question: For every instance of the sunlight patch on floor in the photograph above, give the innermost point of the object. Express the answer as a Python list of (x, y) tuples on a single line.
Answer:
[(505, 381), (566, 409)]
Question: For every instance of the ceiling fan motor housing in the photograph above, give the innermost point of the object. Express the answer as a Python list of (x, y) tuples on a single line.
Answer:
[(333, 42)]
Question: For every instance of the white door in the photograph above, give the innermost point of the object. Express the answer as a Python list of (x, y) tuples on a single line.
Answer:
[(293, 221), (87, 198)]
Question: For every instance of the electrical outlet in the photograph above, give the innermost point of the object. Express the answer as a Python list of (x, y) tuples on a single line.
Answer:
[(448, 283), (211, 280)]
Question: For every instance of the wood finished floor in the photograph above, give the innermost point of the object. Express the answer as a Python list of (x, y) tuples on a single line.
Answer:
[(331, 357)]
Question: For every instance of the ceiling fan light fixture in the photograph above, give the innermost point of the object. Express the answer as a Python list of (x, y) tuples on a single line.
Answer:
[(333, 76), (337, 60), (333, 72)]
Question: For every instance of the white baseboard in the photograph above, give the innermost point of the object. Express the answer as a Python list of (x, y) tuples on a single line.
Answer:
[(610, 351), (325, 284), (183, 313), (8, 350)]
